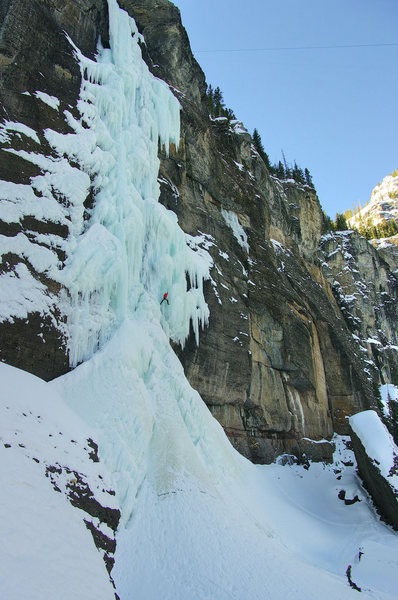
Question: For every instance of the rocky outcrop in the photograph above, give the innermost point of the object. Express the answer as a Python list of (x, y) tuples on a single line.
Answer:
[(97, 517), (388, 250), (382, 206), (39, 79), (377, 460), (365, 288), (278, 364)]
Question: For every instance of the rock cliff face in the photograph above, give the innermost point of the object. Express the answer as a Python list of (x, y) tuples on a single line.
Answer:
[(286, 357), (381, 212), (39, 79), (365, 287), (383, 204)]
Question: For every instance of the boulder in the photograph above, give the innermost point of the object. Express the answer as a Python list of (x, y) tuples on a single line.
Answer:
[(377, 460)]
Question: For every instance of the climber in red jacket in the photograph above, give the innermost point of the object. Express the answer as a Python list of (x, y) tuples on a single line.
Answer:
[(165, 297)]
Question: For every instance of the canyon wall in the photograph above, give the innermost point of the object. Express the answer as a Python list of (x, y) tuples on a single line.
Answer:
[(286, 356)]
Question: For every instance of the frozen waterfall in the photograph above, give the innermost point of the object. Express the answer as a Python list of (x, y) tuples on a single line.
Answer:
[(131, 386), (132, 249)]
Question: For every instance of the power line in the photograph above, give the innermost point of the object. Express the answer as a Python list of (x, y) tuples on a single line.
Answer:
[(273, 48)]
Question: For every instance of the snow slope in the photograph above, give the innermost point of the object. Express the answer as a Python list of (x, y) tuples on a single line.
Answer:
[(198, 520), (200, 526), (46, 549)]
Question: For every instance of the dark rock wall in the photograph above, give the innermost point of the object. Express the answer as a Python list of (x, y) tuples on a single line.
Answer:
[(277, 365), (383, 494), (365, 285), (36, 55)]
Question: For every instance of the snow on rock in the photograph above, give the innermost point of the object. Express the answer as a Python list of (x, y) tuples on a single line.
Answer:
[(12, 127), (24, 293), (383, 204), (378, 443), (232, 221), (377, 457), (51, 101), (238, 127), (46, 548)]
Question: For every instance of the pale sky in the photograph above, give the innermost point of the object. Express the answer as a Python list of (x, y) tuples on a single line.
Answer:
[(333, 110)]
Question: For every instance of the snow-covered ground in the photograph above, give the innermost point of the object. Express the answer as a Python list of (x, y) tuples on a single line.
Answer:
[(200, 527), (283, 534), (198, 521), (46, 550)]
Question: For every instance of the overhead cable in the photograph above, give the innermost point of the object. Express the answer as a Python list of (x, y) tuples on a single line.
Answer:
[(273, 48)]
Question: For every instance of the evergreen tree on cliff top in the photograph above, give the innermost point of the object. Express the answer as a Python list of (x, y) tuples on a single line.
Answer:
[(260, 149)]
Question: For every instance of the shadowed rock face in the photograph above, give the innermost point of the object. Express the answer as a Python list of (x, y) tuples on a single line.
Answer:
[(383, 493), (35, 55), (364, 282), (277, 365)]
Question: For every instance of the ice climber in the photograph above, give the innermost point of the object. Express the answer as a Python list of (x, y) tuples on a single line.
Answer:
[(165, 297)]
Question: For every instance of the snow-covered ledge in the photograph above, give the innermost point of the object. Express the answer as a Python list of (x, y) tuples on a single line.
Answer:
[(377, 458)]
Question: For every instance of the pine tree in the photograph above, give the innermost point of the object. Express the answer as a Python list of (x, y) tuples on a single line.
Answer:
[(260, 149), (284, 162), (280, 170), (257, 142), (229, 113), (210, 99), (340, 222), (327, 223), (216, 105), (218, 102), (308, 178), (298, 174)]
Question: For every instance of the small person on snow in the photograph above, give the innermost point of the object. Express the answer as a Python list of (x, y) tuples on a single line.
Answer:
[(165, 297)]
